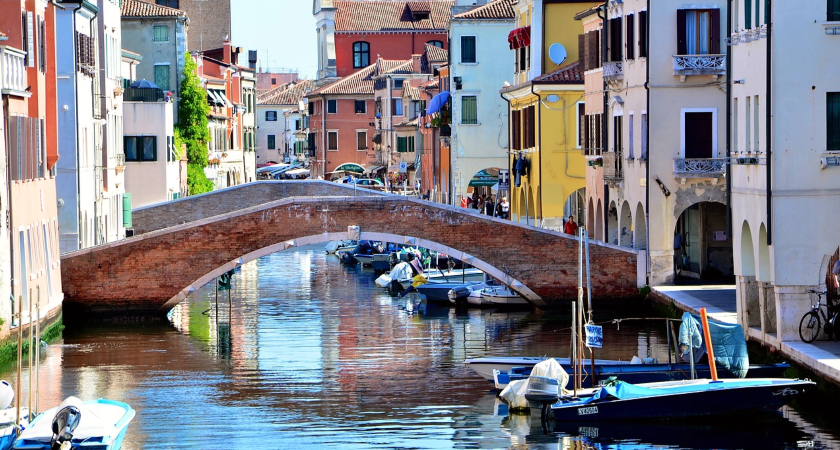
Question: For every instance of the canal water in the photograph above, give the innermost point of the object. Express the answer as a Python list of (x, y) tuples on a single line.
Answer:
[(308, 354)]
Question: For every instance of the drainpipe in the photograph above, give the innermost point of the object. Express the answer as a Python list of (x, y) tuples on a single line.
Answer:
[(604, 135), (769, 119), (647, 150), (728, 120), (538, 128)]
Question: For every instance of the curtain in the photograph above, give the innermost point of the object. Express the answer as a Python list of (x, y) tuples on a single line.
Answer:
[(703, 30), (691, 33)]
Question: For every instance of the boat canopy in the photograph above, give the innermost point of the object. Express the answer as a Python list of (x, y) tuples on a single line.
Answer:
[(728, 342)]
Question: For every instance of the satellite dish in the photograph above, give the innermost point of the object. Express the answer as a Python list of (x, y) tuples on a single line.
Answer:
[(557, 53), (552, 98)]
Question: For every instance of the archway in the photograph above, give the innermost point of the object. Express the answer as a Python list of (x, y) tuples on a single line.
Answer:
[(574, 206), (640, 229), (749, 290), (599, 222), (484, 183), (625, 226), (612, 224), (590, 220), (747, 251), (707, 249), (521, 207), (763, 273)]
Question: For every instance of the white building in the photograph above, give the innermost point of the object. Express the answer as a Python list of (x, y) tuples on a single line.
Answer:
[(785, 147), (479, 119), (152, 172), (281, 131), (677, 183)]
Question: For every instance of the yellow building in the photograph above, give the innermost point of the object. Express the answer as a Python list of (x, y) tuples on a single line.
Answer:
[(546, 107)]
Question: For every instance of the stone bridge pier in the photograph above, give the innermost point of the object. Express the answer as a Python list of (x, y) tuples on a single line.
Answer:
[(183, 244)]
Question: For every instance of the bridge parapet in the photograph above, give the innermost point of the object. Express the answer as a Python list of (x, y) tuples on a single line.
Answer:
[(149, 273)]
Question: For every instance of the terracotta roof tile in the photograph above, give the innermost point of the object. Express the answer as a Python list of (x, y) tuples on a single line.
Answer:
[(384, 15), (587, 12), (498, 9), (385, 66), (138, 8), (288, 94), (431, 84), (436, 54), (360, 82), (411, 92), (568, 74)]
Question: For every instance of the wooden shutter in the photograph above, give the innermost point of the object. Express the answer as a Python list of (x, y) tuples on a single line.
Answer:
[(598, 133), (747, 14), (593, 48), (582, 52), (643, 34), (630, 41), (516, 139), (682, 48), (532, 128), (714, 31), (617, 37)]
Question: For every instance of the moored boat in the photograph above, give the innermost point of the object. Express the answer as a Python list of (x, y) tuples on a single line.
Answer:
[(437, 290), (95, 424), (495, 295)]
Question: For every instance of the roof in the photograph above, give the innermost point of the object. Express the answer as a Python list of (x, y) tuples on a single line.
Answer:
[(385, 15), (131, 55), (387, 66), (436, 54), (138, 8), (360, 82), (431, 84), (498, 9), (568, 74), (587, 12), (411, 92), (288, 94)]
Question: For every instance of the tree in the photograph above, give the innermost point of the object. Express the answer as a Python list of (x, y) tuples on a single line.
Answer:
[(192, 127)]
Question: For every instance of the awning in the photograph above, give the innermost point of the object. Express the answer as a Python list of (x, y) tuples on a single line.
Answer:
[(437, 103), (297, 173), (374, 169), (484, 178), (351, 167), (225, 99), (520, 37)]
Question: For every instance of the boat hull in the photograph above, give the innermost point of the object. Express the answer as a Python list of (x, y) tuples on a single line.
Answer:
[(439, 292), (709, 398)]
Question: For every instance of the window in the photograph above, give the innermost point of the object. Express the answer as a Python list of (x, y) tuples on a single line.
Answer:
[(405, 144), (747, 14), (272, 144), (468, 50), (756, 118), (140, 148), (699, 135), (161, 33), (631, 153), (271, 116), (529, 119), (516, 130), (469, 110), (398, 83), (631, 37), (42, 45), (643, 38), (361, 54), (581, 124), (332, 106), (644, 136), (698, 31), (437, 44), (420, 15), (332, 140), (397, 106), (758, 13), (748, 122), (361, 140), (833, 11), (162, 76), (274, 81), (735, 120), (833, 120), (361, 107), (169, 3), (616, 44), (589, 47)]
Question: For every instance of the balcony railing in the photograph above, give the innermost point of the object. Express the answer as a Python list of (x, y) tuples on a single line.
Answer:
[(13, 69), (613, 70), (699, 65), (700, 167), (613, 168)]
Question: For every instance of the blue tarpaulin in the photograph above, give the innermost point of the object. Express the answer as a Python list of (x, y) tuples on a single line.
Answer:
[(728, 342)]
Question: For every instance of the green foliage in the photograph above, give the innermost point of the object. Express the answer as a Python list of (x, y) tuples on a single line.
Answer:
[(179, 145), (644, 291), (192, 116), (8, 350), (197, 182)]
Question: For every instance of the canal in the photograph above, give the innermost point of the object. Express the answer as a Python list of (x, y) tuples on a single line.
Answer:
[(310, 354)]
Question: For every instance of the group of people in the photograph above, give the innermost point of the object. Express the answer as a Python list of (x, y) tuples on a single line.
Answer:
[(487, 206)]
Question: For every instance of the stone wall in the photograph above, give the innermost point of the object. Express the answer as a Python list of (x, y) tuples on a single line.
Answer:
[(142, 274)]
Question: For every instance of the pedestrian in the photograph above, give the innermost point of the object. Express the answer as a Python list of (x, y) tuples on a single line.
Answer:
[(571, 227), (480, 205), (678, 252), (503, 208), (417, 188), (489, 206), (836, 272)]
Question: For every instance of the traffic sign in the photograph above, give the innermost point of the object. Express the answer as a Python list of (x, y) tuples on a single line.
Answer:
[(403, 167), (504, 180)]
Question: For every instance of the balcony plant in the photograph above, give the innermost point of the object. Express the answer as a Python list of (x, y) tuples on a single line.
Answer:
[(214, 162)]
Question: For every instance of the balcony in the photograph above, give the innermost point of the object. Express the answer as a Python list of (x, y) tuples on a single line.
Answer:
[(685, 65), (13, 70), (614, 71), (700, 167), (613, 168)]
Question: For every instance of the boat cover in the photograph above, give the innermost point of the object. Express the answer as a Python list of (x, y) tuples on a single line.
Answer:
[(514, 394), (515, 391), (401, 271), (550, 368), (728, 342)]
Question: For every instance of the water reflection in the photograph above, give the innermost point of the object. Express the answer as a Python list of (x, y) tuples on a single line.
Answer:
[(310, 354)]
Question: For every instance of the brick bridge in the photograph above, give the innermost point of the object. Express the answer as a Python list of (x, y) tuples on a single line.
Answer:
[(184, 244)]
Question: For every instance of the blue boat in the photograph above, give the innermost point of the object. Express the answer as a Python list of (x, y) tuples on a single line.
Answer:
[(438, 292), (97, 425), (676, 400)]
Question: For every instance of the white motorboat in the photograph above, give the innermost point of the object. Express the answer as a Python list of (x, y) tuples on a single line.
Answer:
[(495, 295), (403, 274), (334, 247), (9, 415), (93, 424)]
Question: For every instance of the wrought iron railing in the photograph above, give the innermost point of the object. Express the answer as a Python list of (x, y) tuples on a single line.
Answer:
[(613, 166), (700, 167), (699, 65), (613, 70)]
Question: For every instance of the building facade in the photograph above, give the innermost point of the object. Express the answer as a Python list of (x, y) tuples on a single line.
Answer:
[(153, 164), (209, 22)]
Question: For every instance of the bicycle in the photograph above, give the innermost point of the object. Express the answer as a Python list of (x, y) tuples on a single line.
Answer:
[(812, 321)]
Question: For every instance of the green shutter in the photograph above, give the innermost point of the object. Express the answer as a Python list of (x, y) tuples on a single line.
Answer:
[(833, 11), (833, 120), (127, 210), (747, 14), (469, 110)]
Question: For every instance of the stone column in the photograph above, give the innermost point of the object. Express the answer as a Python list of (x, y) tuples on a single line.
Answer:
[(748, 307), (791, 303)]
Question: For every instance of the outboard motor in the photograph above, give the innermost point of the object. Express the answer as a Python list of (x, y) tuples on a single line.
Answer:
[(65, 422)]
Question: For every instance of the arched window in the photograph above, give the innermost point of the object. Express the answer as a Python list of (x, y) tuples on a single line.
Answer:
[(437, 44), (361, 54)]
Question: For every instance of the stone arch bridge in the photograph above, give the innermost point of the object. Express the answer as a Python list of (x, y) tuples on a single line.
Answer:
[(183, 244)]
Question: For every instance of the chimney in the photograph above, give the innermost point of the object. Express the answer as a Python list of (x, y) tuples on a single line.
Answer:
[(416, 65), (252, 59), (226, 56)]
